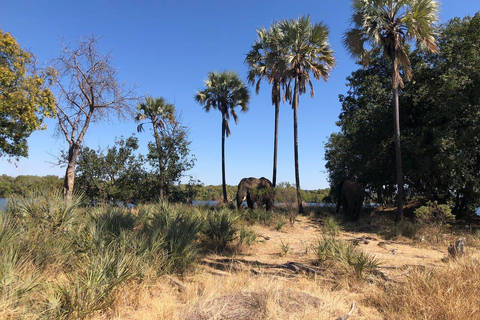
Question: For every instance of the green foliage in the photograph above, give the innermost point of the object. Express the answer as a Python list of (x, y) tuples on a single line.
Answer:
[(169, 155), (118, 174), (331, 225), (91, 251), (25, 99), (346, 255), (438, 118), (46, 209), (22, 185), (403, 228), (179, 228), (257, 215), (220, 228), (122, 175), (92, 286), (247, 236), (434, 214)]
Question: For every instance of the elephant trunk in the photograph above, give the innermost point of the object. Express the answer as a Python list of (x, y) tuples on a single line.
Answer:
[(241, 196)]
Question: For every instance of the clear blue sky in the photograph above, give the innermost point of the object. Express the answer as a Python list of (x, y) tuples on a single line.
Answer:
[(168, 47)]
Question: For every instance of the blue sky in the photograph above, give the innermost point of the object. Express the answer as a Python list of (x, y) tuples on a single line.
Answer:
[(168, 48)]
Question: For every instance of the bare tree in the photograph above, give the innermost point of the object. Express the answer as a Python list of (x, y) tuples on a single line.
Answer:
[(88, 92)]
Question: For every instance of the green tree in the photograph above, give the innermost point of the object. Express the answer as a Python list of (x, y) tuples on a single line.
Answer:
[(363, 149), (117, 174), (25, 99), (265, 62), (306, 53), (159, 112), (88, 92), (388, 24), (170, 156), (224, 91)]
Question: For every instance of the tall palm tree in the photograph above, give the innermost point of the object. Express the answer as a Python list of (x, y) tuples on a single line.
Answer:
[(224, 91), (265, 62), (159, 112), (388, 25), (306, 53)]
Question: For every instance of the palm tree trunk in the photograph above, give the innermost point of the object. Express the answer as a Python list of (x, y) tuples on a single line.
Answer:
[(275, 144), (224, 184), (295, 143), (161, 171), (398, 150)]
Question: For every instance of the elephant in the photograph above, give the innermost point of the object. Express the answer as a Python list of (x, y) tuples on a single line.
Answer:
[(350, 195), (256, 191)]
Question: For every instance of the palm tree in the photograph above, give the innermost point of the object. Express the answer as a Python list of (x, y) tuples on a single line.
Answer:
[(306, 51), (265, 62), (224, 91), (388, 25), (158, 111)]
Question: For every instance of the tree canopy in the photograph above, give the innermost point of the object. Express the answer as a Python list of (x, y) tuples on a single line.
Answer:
[(439, 120), (25, 99)]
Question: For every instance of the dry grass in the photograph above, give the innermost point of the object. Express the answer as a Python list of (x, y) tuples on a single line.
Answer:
[(239, 296), (451, 292)]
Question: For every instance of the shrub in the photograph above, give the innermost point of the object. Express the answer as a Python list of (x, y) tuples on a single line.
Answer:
[(247, 236), (434, 214), (220, 228), (178, 228), (331, 225), (403, 228), (345, 255)]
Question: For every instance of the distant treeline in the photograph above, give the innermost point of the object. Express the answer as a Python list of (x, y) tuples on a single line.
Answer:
[(284, 190), (24, 184)]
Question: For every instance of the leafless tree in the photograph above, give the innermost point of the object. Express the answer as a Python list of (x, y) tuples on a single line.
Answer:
[(88, 91)]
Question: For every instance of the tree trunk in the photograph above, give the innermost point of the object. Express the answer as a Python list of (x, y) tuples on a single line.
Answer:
[(398, 150), (161, 171), (295, 143), (275, 141), (69, 180), (224, 184)]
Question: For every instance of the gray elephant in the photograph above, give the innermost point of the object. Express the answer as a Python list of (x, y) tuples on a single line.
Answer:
[(350, 196), (255, 191)]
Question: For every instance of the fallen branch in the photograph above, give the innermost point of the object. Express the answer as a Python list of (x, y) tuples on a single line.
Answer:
[(297, 267), (345, 317)]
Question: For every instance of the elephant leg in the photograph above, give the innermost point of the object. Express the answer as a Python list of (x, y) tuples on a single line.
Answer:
[(250, 203)]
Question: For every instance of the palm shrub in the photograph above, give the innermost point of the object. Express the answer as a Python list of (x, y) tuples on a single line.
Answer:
[(345, 255), (220, 228), (46, 209), (114, 219), (92, 286), (247, 236), (179, 229)]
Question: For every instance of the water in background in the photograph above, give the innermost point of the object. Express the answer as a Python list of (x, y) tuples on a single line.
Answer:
[(3, 203)]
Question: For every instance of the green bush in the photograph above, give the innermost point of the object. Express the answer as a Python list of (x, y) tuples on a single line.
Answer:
[(436, 214), (331, 225), (220, 228), (247, 236), (346, 255)]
